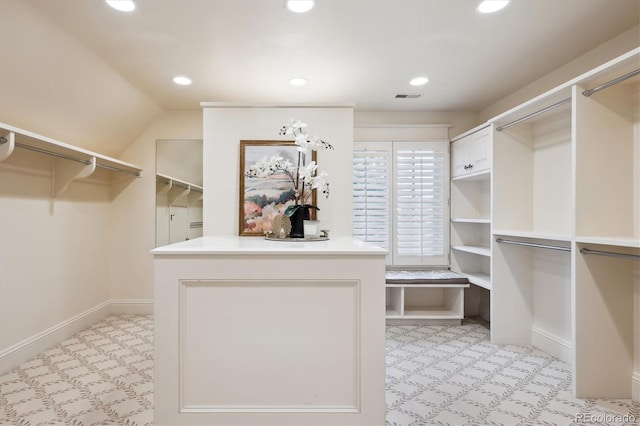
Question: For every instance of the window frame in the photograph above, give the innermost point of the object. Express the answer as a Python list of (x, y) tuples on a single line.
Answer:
[(394, 258)]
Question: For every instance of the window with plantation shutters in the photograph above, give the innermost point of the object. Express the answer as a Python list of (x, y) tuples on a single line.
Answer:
[(421, 203), (372, 193), (401, 199)]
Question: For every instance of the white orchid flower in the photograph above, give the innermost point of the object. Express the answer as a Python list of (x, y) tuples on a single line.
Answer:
[(304, 178), (307, 172), (301, 141), (293, 127), (317, 144), (298, 125), (319, 180)]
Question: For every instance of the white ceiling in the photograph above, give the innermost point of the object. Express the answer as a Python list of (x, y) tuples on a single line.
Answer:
[(356, 51)]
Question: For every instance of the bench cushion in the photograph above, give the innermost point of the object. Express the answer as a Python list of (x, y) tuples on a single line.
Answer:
[(425, 277)]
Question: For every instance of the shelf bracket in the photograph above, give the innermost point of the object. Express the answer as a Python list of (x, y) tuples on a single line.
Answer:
[(194, 197), (65, 172), (174, 195), (7, 145), (164, 187)]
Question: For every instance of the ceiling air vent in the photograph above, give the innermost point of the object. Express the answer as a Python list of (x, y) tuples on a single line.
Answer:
[(407, 96)]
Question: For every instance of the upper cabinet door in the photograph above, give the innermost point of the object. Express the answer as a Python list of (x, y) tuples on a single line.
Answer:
[(460, 157), (480, 151), (471, 154)]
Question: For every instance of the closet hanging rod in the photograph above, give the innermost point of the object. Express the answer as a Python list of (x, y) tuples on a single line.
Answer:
[(610, 254), (533, 114), (68, 157), (55, 154), (522, 243), (590, 92), (115, 169)]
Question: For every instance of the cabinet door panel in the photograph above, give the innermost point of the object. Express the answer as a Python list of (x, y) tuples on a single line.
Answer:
[(480, 151), (460, 157)]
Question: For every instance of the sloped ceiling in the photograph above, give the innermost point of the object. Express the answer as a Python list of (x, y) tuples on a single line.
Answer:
[(100, 76)]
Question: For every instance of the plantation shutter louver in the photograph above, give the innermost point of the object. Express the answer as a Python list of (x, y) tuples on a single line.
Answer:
[(372, 193), (421, 203)]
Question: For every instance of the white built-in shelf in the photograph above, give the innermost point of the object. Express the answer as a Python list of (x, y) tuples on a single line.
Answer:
[(433, 285), (176, 189), (70, 162), (434, 301), (170, 180), (430, 312), (631, 242), (485, 174), (533, 235), (479, 250), (392, 313), (465, 220), (478, 278), (26, 139), (424, 313)]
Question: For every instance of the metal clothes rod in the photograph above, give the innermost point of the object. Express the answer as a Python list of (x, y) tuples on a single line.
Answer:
[(55, 154), (522, 243), (533, 114), (68, 157), (610, 254), (590, 92), (115, 169)]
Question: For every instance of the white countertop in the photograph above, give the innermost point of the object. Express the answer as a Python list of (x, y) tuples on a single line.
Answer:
[(218, 244)]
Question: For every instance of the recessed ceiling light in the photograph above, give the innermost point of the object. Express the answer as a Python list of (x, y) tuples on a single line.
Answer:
[(297, 81), (182, 80), (490, 6), (122, 5), (419, 81), (299, 6)]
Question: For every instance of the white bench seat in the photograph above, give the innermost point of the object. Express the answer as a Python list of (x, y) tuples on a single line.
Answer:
[(434, 297)]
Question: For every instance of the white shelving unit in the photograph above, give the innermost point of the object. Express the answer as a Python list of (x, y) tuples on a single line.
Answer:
[(471, 161), (440, 304), (166, 184), (607, 220), (68, 162), (566, 209)]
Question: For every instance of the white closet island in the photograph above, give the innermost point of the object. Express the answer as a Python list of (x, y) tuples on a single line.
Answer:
[(250, 331)]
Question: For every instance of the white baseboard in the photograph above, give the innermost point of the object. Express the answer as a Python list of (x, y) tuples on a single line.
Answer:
[(131, 306), (635, 386), (552, 344), (15, 355)]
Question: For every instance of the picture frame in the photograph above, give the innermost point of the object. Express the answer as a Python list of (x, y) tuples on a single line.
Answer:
[(261, 199)]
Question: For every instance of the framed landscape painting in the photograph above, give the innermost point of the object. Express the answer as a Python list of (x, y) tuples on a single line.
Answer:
[(262, 198)]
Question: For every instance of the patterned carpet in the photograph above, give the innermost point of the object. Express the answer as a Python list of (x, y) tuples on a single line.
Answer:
[(436, 375), (455, 376)]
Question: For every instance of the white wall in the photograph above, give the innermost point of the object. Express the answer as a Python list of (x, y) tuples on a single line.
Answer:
[(615, 47), (181, 159), (134, 208), (407, 124), (224, 128), (54, 252), (51, 84)]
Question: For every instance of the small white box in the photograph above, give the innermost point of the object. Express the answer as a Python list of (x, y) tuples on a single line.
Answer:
[(311, 228)]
